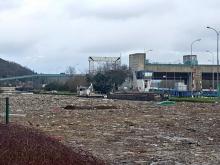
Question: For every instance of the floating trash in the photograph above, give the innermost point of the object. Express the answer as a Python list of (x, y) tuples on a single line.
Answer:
[(167, 103)]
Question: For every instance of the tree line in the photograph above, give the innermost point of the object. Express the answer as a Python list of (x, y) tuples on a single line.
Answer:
[(103, 81)]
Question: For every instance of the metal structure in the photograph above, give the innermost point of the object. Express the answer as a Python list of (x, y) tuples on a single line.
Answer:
[(217, 33), (103, 63), (35, 76), (198, 40), (4, 110), (28, 82), (213, 74)]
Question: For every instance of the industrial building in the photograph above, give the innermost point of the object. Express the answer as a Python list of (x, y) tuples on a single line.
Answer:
[(194, 75)]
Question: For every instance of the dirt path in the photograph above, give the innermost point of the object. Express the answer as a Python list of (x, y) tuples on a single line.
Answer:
[(130, 133)]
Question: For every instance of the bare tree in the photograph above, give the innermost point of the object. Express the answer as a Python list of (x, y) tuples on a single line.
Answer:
[(75, 81), (70, 70)]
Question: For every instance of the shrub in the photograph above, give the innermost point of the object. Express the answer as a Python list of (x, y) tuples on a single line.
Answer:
[(194, 100), (25, 146)]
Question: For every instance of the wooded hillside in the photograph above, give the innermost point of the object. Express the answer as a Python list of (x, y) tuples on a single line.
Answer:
[(9, 69)]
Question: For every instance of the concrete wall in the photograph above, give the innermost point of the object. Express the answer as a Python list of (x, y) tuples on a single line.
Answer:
[(167, 68), (137, 61), (180, 68)]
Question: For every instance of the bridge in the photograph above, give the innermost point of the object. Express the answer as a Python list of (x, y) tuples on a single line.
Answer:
[(35, 76)]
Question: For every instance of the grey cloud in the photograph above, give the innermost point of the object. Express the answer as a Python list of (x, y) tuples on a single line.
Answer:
[(69, 31), (9, 4), (15, 49), (121, 9)]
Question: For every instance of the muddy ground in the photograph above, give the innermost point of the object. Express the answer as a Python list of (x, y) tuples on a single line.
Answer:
[(126, 132)]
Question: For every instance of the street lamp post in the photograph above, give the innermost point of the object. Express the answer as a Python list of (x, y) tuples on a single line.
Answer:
[(198, 40), (146, 51), (213, 74), (217, 33), (193, 43)]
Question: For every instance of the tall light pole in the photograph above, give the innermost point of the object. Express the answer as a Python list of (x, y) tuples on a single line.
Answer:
[(193, 43), (213, 74), (198, 40), (217, 54), (146, 51)]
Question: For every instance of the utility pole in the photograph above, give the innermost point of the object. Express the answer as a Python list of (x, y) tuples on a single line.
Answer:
[(213, 73), (217, 33)]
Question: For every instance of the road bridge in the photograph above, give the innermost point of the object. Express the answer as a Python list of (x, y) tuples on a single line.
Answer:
[(34, 76), (36, 80), (40, 76)]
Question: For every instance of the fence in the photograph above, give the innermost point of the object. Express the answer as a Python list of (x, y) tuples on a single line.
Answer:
[(4, 110)]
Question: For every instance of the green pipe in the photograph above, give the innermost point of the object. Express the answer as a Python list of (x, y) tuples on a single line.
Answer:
[(7, 111)]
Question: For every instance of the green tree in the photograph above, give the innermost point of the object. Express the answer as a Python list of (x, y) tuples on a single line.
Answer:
[(102, 83), (109, 80)]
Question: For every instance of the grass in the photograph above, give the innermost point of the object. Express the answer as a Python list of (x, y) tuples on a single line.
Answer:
[(25, 146), (194, 99)]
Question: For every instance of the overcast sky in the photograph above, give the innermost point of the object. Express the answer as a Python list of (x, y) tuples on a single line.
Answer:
[(49, 35)]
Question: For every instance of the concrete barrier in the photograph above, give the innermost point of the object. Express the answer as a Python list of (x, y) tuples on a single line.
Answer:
[(137, 96)]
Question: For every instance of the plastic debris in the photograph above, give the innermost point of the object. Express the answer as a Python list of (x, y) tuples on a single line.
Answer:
[(167, 103)]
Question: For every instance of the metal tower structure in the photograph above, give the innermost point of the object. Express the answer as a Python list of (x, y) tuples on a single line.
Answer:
[(103, 63)]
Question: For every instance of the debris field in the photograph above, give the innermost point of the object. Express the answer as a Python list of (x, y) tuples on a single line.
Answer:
[(126, 132)]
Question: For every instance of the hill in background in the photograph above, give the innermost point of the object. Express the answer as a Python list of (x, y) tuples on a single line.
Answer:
[(9, 69)]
